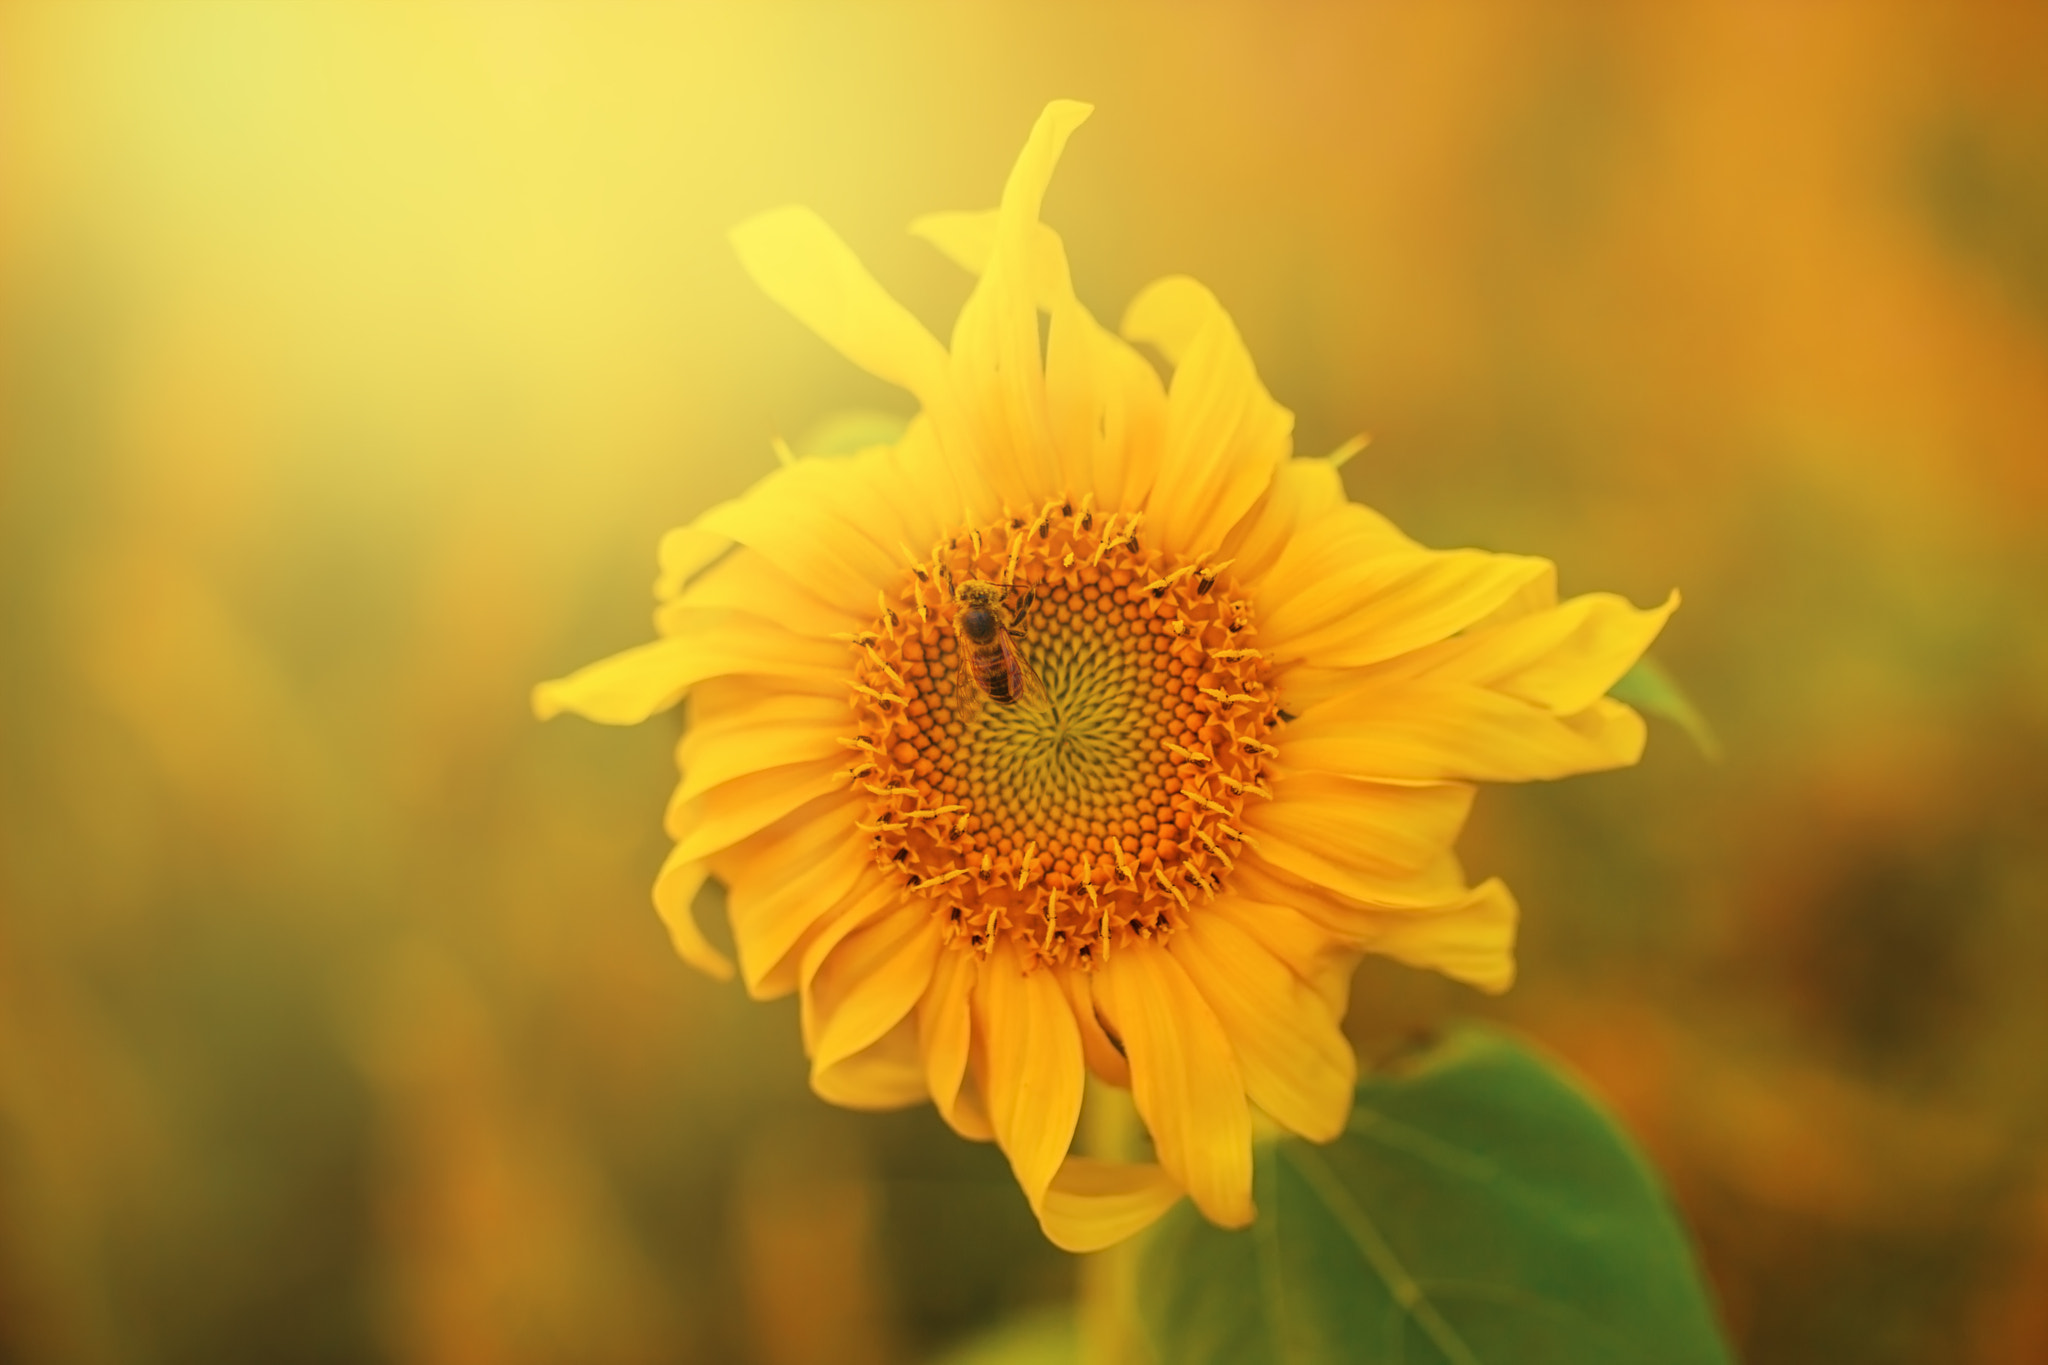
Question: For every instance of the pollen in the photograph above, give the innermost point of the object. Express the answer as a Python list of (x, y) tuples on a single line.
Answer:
[(1105, 803)]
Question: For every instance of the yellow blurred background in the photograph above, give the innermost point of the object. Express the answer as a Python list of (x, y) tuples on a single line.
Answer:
[(353, 358)]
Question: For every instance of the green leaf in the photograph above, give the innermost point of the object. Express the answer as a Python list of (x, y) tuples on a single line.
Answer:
[(1480, 1210), (1653, 691)]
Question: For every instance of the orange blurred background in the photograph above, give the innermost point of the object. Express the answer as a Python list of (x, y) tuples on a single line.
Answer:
[(354, 357)]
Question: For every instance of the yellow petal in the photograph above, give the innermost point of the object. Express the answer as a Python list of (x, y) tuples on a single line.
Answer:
[(1303, 494), (629, 687), (711, 759), (869, 983), (871, 494), (1539, 594), (1316, 547), (805, 520), (1033, 1069), (970, 1111), (1102, 1057), (1225, 436), (749, 584), (873, 897), (1297, 1065), (1472, 941), (969, 241), (945, 1028), (1466, 933), (883, 1076), (1093, 1204), (675, 892), (803, 265), (1104, 402), (745, 640), (781, 884), (1424, 731), (1107, 406), (625, 689), (1169, 314), (686, 552), (1388, 604), (825, 518), (1371, 841), (957, 493), (747, 805), (1316, 957), (996, 366), (1184, 1077), (1562, 659), (723, 709), (1024, 191)]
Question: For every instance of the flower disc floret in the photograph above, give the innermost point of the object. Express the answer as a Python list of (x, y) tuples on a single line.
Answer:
[(1109, 805)]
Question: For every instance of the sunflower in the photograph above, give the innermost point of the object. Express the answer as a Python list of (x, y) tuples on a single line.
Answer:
[(1247, 715)]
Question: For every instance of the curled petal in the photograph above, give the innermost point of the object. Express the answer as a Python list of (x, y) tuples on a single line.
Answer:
[(945, 1028), (996, 365), (781, 883), (1372, 841), (868, 984), (1101, 1053), (805, 520), (883, 1076), (1297, 1064), (1318, 958), (969, 241), (686, 552), (1303, 494), (1562, 659), (1104, 401), (872, 899), (675, 895), (803, 265), (1185, 1079), (1472, 940), (747, 805), (1094, 1204), (1225, 436)]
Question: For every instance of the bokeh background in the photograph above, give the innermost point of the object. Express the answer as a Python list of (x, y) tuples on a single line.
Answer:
[(353, 358)]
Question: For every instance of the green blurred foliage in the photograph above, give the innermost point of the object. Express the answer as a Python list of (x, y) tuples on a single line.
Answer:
[(353, 358)]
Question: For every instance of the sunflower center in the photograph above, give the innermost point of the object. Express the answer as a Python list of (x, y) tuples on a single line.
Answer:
[(1060, 750)]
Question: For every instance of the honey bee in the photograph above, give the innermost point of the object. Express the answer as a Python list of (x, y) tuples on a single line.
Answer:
[(988, 637)]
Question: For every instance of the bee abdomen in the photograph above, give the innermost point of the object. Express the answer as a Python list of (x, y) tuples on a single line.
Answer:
[(997, 672)]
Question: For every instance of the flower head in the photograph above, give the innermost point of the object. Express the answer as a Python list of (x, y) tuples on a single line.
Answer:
[(1208, 740)]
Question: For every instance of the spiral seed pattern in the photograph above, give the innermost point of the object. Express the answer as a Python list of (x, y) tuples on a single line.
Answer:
[(1105, 804)]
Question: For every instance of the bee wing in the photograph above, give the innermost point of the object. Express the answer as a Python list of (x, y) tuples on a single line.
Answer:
[(1034, 694), (967, 698)]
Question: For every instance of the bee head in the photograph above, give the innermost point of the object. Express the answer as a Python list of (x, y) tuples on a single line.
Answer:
[(977, 594)]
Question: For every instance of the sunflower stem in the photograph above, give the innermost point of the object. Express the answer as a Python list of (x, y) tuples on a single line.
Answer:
[(1108, 1309)]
